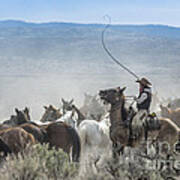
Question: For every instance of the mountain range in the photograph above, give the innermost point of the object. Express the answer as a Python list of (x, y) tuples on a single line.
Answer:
[(36, 45)]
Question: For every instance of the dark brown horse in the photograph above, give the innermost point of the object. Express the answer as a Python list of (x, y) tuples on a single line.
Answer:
[(22, 119), (4, 148), (61, 135), (119, 134), (16, 139), (58, 135), (37, 131)]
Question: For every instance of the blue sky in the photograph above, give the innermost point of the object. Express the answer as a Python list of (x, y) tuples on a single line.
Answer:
[(91, 11)]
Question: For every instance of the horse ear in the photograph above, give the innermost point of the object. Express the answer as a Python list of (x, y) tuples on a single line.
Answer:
[(163, 107), (122, 90), (63, 101), (16, 110), (51, 107), (71, 101), (118, 89), (26, 110)]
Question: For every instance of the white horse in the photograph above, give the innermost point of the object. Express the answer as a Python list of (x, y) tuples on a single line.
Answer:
[(94, 134), (69, 118)]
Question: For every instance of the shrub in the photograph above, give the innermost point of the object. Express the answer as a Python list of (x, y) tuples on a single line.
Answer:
[(38, 162)]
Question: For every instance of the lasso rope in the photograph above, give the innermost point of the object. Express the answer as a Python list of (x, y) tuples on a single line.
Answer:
[(109, 53)]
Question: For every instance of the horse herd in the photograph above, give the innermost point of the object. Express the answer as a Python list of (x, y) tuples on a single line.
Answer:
[(57, 127), (72, 128)]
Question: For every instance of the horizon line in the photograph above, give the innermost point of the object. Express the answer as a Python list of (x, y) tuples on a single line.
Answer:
[(89, 23)]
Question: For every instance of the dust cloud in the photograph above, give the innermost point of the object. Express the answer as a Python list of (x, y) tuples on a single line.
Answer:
[(35, 90)]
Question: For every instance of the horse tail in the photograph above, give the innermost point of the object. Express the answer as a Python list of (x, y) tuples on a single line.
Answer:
[(4, 148), (76, 143), (82, 129)]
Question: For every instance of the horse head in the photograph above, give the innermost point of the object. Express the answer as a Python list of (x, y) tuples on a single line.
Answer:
[(67, 105), (112, 96), (51, 114), (70, 117), (26, 112), (165, 112), (21, 117)]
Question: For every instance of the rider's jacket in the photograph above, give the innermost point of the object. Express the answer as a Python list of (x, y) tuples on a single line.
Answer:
[(144, 99)]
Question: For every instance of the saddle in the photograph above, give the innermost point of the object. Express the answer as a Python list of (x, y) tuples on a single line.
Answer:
[(152, 122)]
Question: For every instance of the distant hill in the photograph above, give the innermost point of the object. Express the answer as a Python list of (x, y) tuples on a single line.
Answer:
[(153, 30), (35, 45)]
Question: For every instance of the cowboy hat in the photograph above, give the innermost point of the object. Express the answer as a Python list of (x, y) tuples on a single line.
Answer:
[(144, 82)]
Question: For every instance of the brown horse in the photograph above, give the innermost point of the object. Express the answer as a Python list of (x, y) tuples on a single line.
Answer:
[(168, 134), (119, 134), (37, 131), (174, 115), (4, 148), (22, 119), (61, 135), (58, 135), (51, 114), (17, 139)]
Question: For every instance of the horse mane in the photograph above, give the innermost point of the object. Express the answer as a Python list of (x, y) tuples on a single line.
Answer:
[(124, 110)]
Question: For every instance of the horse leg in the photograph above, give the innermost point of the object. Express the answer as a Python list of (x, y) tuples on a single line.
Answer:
[(114, 151), (121, 150), (68, 152), (118, 149)]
